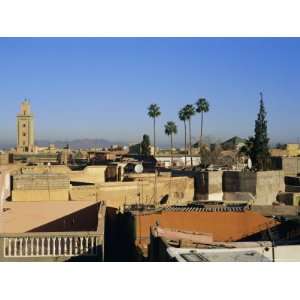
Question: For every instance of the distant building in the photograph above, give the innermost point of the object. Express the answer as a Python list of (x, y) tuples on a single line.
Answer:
[(137, 149), (25, 129), (234, 143), (293, 150)]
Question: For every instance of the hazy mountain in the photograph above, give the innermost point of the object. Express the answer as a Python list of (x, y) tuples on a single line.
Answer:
[(74, 144), (79, 143)]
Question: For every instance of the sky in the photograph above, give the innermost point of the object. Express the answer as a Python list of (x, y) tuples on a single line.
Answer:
[(101, 87)]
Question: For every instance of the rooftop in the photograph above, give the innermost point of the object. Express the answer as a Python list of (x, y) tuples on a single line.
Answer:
[(20, 217), (223, 225), (217, 255)]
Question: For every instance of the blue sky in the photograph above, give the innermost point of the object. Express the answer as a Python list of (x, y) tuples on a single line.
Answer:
[(101, 87)]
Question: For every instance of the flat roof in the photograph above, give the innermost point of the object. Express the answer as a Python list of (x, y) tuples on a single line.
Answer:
[(218, 255), (20, 217), (224, 226)]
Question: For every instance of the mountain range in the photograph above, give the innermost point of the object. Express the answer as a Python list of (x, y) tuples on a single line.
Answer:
[(74, 144)]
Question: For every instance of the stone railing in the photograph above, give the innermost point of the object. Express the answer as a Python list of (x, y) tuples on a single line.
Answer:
[(49, 245)]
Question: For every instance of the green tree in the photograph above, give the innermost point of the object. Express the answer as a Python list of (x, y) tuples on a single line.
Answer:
[(202, 106), (145, 145), (261, 155), (257, 147), (189, 111), (170, 130), (183, 117), (154, 112)]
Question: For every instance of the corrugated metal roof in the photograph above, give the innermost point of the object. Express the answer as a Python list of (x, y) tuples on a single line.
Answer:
[(205, 209)]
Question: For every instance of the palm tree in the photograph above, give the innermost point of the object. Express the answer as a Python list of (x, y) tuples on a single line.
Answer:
[(189, 111), (154, 112), (183, 117), (202, 106), (170, 130)]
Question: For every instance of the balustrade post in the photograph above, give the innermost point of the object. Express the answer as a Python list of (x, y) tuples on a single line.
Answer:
[(65, 253), (53, 246), (9, 247), (86, 245), (70, 245), (81, 245), (43, 239), (76, 239), (15, 246), (31, 246), (59, 246), (37, 250), (92, 246), (48, 246), (26, 246), (21, 247)]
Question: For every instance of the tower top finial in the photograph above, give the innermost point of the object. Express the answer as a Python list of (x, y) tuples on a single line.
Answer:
[(261, 96)]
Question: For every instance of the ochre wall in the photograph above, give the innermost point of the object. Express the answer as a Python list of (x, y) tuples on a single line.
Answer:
[(40, 195), (116, 194)]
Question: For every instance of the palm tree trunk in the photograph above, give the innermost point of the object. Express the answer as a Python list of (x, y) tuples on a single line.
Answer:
[(190, 131), (154, 137), (185, 147), (200, 144), (171, 150)]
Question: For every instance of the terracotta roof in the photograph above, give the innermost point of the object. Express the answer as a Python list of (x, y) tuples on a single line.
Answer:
[(225, 226)]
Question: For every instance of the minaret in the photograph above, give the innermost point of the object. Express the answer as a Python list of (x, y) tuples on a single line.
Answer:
[(25, 128)]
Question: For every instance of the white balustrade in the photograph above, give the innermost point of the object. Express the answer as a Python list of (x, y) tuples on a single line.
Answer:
[(41, 246)]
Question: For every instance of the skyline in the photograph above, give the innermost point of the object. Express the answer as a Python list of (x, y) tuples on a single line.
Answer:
[(92, 87)]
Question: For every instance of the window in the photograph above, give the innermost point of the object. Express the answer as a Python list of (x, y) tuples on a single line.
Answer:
[(24, 134), (24, 125)]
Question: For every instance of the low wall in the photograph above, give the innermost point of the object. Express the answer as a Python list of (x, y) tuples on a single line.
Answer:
[(116, 194), (40, 195), (208, 185), (291, 165), (41, 187), (90, 174), (264, 186), (268, 185), (40, 181), (234, 181)]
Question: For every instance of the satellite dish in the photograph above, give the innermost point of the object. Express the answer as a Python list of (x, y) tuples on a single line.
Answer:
[(138, 169), (249, 163)]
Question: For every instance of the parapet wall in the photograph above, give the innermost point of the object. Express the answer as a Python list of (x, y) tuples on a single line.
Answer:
[(268, 185), (116, 194), (291, 165), (41, 187), (40, 181), (40, 195), (263, 185), (234, 181), (208, 185)]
